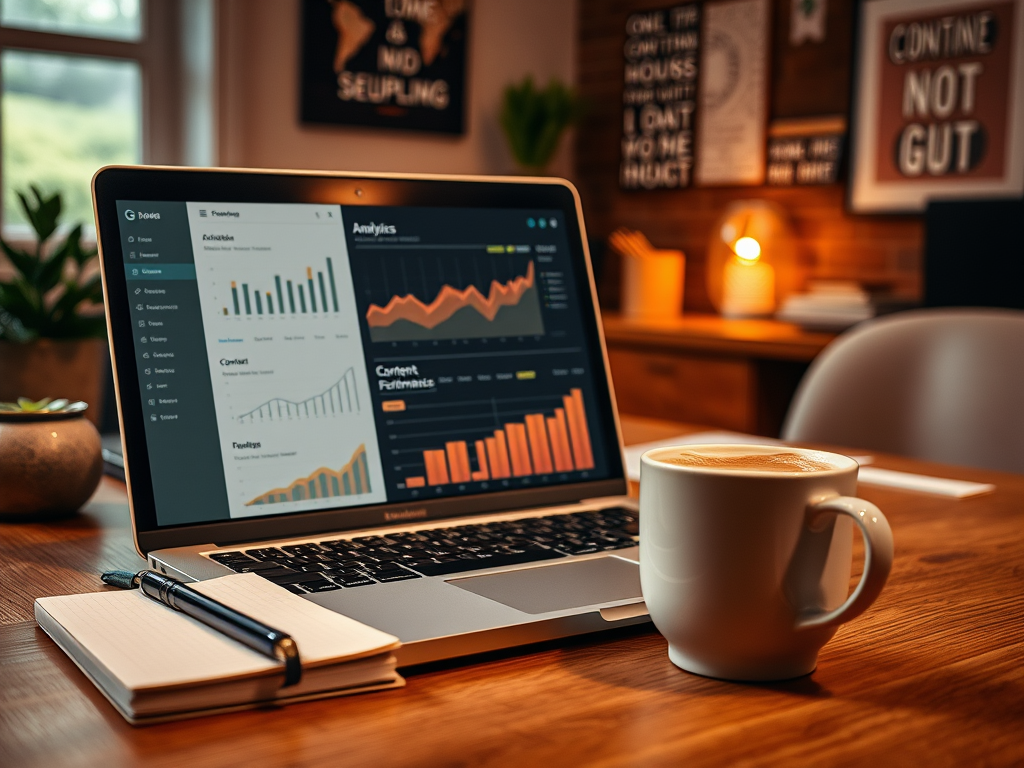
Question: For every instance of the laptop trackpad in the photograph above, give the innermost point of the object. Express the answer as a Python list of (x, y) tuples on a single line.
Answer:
[(559, 587)]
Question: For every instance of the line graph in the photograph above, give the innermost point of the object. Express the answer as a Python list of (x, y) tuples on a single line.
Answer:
[(510, 308), (338, 399)]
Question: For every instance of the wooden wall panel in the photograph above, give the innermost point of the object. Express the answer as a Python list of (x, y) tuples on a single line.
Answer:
[(805, 77), (810, 80)]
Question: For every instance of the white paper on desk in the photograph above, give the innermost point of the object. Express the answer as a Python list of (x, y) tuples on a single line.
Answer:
[(941, 486)]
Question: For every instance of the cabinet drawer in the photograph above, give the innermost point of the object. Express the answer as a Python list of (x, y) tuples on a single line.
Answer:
[(702, 390)]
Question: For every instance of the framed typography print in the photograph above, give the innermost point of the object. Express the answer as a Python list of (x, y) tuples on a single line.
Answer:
[(938, 103), (385, 63), (732, 107)]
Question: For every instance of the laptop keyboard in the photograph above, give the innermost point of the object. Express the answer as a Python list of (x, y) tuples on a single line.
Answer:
[(346, 563)]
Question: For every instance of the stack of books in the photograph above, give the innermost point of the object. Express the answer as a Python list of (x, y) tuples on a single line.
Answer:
[(835, 305)]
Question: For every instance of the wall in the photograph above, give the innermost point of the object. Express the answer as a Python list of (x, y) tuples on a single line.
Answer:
[(258, 106), (811, 80)]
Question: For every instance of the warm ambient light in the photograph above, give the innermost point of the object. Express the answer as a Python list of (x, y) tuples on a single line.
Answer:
[(751, 260), (749, 284), (747, 249)]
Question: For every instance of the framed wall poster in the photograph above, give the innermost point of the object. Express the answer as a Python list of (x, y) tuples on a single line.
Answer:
[(732, 111), (938, 103), (385, 63), (659, 97)]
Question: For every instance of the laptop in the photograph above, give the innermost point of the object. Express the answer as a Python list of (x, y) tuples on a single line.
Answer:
[(386, 393)]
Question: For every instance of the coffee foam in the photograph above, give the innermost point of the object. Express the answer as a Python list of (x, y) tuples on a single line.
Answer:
[(744, 460)]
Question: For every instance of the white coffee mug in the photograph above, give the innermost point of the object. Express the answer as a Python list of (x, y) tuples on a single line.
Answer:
[(746, 571)]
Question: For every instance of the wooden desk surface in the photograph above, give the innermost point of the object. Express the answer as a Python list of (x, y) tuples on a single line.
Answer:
[(933, 674), (769, 339)]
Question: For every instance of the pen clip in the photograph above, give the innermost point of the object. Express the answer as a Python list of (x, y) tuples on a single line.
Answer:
[(287, 651)]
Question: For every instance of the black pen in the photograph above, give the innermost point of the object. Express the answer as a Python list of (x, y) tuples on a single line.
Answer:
[(248, 631)]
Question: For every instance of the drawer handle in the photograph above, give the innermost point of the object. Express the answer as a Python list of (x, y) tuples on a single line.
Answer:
[(660, 369)]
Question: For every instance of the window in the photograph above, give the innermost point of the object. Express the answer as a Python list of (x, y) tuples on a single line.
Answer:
[(64, 117), (87, 83)]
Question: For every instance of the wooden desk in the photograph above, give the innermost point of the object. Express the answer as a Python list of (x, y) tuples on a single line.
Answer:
[(932, 674), (732, 374)]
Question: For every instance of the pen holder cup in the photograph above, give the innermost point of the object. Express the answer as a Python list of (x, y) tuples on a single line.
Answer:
[(652, 285)]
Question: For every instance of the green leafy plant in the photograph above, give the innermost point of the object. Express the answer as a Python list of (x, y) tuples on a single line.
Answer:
[(46, 405), (50, 288), (533, 120)]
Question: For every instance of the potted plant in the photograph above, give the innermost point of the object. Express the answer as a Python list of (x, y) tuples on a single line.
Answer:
[(534, 120), (52, 338), (50, 459)]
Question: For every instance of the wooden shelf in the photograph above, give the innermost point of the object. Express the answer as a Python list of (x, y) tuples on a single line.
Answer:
[(731, 374), (765, 339)]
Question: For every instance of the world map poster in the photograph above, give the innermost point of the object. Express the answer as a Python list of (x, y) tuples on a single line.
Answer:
[(385, 63)]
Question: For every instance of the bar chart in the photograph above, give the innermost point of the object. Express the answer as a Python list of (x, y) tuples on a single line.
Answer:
[(340, 398), (314, 294), (539, 445), (352, 479)]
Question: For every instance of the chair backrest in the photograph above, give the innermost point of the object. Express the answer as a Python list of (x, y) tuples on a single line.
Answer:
[(938, 384)]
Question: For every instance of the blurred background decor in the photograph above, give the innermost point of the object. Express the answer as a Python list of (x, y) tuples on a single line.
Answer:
[(753, 262), (939, 124), (50, 460), (652, 279), (52, 330), (396, 65), (534, 121)]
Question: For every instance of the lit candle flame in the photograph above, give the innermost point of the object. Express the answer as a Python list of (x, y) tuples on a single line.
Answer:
[(747, 249)]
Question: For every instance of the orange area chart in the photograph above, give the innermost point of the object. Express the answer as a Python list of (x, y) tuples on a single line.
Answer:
[(350, 480), (539, 445), (510, 308)]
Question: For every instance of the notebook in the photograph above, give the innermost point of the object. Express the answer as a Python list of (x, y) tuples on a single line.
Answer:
[(155, 664)]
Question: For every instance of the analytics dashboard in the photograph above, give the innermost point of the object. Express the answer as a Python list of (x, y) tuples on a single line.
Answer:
[(295, 357)]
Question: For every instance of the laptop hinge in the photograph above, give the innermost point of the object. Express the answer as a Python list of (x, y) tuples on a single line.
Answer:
[(602, 500)]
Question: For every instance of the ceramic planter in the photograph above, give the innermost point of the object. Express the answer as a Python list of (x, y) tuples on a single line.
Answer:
[(50, 464)]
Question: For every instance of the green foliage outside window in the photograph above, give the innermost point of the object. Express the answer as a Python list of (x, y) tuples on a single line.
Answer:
[(64, 117)]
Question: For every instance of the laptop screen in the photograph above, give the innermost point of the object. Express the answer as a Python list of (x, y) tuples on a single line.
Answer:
[(297, 357)]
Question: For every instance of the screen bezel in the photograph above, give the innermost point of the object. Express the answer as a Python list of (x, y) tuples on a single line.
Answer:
[(262, 186)]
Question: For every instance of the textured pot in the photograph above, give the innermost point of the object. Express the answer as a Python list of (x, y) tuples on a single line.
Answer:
[(54, 368), (50, 464)]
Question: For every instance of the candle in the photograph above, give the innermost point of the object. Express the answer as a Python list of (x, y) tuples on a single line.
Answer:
[(748, 288)]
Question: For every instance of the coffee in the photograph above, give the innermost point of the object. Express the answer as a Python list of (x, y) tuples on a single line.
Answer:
[(746, 555), (783, 461)]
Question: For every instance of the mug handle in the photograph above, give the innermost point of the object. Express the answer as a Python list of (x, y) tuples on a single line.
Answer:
[(878, 550)]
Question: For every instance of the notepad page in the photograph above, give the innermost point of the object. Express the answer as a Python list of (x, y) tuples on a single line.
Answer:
[(321, 634), (145, 644)]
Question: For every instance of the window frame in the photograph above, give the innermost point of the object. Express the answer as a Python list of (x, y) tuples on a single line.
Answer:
[(158, 54)]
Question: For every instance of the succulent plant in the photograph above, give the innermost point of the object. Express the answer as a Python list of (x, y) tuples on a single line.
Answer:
[(46, 405), (50, 286)]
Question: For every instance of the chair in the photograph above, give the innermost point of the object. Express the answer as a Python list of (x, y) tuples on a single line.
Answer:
[(943, 385)]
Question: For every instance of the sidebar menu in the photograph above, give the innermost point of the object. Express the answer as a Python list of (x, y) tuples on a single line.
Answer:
[(170, 356)]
